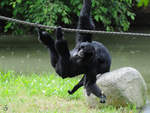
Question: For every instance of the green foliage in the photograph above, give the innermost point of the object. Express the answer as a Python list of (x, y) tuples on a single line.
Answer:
[(114, 14), (143, 3)]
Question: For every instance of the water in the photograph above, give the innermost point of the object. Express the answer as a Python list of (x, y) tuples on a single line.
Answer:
[(26, 55)]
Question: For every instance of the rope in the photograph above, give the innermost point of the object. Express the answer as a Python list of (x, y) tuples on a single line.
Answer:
[(72, 30)]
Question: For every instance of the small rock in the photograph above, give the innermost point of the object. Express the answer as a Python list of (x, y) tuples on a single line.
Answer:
[(121, 87)]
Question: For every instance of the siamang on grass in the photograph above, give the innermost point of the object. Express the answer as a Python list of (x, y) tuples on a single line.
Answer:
[(88, 57)]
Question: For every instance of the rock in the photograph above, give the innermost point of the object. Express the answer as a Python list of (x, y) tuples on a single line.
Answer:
[(121, 87)]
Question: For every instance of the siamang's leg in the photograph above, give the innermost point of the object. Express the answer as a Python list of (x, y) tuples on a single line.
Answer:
[(49, 42), (63, 64), (61, 44), (85, 22), (53, 56), (92, 87), (76, 87)]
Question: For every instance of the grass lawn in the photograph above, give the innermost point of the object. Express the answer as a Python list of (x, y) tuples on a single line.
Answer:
[(45, 93)]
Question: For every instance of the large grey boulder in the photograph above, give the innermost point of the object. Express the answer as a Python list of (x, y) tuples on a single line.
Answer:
[(121, 86)]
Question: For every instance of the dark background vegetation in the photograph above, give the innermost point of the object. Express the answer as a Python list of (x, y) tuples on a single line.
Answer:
[(110, 15)]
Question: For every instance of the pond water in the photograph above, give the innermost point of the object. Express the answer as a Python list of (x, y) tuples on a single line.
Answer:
[(26, 55)]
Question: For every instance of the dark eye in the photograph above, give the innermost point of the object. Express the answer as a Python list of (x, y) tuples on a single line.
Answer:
[(82, 47)]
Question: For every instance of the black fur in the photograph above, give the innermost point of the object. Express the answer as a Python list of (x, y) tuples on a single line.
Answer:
[(88, 57)]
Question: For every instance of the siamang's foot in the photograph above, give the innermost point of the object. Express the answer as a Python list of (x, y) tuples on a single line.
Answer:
[(59, 33), (70, 92), (45, 38), (103, 98), (88, 93)]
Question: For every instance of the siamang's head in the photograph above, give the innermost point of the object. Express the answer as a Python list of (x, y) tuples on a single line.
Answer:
[(85, 52)]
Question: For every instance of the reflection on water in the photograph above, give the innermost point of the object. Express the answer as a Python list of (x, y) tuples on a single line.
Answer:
[(25, 54)]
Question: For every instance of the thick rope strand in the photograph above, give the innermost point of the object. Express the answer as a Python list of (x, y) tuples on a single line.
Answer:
[(73, 30)]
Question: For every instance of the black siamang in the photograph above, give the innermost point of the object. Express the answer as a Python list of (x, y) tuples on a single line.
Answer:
[(88, 57)]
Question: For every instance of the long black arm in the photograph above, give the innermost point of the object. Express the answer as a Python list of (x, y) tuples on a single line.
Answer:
[(85, 22)]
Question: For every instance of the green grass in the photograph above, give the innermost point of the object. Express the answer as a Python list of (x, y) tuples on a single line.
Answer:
[(45, 93)]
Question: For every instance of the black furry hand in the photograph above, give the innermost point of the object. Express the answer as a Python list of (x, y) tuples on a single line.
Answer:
[(103, 99), (70, 92)]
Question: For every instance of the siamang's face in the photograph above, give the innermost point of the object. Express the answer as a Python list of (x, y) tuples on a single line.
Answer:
[(85, 52)]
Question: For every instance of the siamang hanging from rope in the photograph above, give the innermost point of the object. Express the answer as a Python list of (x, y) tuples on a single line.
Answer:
[(88, 57)]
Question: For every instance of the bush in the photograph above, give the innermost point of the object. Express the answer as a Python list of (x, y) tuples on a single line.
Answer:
[(114, 14)]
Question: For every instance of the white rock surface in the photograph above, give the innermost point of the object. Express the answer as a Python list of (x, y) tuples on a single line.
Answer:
[(121, 86)]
